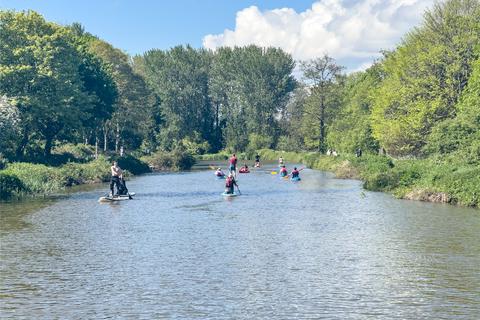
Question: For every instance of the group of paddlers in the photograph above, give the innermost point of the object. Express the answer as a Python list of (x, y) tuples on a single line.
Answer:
[(231, 182)]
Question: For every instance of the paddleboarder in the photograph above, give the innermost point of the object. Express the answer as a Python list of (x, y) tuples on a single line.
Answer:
[(117, 177), (230, 183)]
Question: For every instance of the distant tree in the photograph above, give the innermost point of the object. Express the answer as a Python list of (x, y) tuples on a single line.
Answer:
[(132, 110), (352, 128), (325, 80)]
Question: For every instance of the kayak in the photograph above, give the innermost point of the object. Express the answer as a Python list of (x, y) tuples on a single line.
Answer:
[(257, 165), (283, 175), (244, 171), (296, 179), (220, 177), (116, 198), (229, 194)]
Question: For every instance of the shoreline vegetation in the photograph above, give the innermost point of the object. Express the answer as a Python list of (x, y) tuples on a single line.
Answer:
[(68, 97), (20, 179), (424, 180)]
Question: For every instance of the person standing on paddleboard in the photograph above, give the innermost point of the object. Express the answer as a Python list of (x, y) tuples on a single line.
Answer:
[(257, 160), (230, 183), (117, 176), (233, 164)]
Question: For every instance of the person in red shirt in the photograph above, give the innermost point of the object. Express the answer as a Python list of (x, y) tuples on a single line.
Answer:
[(233, 164), (295, 173), (283, 172)]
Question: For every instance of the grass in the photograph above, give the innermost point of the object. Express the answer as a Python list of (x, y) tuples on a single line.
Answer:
[(426, 179)]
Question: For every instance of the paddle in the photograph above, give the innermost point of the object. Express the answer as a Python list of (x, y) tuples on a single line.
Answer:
[(273, 172), (125, 186), (239, 192)]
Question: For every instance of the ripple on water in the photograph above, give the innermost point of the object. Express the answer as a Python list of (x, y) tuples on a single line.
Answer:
[(320, 248)]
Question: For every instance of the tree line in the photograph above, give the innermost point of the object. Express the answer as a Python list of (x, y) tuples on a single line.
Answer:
[(60, 84)]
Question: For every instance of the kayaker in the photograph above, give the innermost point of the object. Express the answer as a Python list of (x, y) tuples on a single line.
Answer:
[(295, 173), (219, 172), (117, 177), (280, 161), (244, 169), (233, 164), (283, 171), (230, 183), (257, 160)]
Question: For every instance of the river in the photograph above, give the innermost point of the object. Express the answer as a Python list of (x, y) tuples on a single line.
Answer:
[(319, 248)]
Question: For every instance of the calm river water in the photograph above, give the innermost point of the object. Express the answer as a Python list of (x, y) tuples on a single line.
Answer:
[(320, 248)]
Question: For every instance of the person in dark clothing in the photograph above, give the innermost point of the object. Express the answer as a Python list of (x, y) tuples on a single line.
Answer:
[(117, 177)]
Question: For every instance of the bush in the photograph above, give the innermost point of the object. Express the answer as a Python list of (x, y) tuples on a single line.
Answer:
[(175, 160), (132, 164), (195, 145), (76, 152), (9, 185), (37, 178), (257, 141)]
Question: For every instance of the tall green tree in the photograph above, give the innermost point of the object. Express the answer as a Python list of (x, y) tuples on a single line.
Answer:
[(351, 128), (325, 78), (425, 76), (180, 79), (98, 83), (9, 128), (39, 65), (132, 110)]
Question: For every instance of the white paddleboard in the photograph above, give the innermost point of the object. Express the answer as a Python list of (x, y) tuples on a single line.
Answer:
[(116, 198)]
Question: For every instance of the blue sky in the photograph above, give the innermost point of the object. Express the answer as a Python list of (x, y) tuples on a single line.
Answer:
[(352, 31), (136, 26)]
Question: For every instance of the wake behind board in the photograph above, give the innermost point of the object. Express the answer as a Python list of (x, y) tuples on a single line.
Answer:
[(116, 198)]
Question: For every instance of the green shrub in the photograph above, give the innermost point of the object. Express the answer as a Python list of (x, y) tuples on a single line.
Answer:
[(9, 185), (383, 181), (132, 164), (195, 145), (37, 178), (175, 160), (77, 152)]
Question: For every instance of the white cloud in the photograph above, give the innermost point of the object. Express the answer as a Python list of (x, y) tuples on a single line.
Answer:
[(352, 33)]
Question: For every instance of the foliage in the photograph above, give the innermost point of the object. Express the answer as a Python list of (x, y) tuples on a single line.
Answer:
[(39, 65), (9, 185), (175, 160), (132, 164), (218, 97), (326, 79), (76, 152), (425, 76), (9, 127)]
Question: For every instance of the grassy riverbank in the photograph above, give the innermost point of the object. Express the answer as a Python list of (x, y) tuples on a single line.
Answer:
[(23, 178), (426, 180)]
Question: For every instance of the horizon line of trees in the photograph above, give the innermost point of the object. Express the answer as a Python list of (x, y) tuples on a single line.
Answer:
[(60, 84)]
